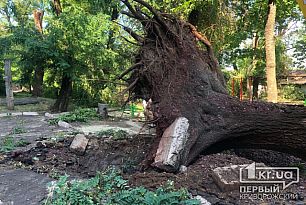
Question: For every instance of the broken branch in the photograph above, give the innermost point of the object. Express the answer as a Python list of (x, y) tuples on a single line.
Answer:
[(130, 86), (131, 42), (137, 37), (136, 14), (128, 14), (129, 70), (156, 15), (205, 41)]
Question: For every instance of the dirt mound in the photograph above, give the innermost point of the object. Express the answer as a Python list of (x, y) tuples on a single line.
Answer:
[(101, 154)]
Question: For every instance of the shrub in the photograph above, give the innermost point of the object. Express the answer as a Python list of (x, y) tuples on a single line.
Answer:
[(78, 115), (111, 189), (292, 92)]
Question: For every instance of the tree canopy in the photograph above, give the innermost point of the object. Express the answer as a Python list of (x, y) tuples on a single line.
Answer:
[(87, 41)]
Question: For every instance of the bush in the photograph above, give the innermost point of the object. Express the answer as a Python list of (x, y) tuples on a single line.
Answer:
[(111, 189), (78, 115), (292, 92)]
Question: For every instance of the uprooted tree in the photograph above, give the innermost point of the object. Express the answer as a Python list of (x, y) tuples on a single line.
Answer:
[(176, 68)]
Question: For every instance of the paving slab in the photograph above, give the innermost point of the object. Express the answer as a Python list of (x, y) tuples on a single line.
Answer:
[(29, 128), (227, 178), (22, 187)]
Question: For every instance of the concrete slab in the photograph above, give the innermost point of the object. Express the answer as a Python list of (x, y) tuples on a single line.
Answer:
[(30, 114), (227, 178), (34, 127), (20, 187), (14, 114)]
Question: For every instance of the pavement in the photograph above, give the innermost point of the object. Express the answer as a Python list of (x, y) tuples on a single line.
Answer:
[(22, 187)]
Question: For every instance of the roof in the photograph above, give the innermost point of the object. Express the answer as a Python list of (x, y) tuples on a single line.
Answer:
[(297, 77), (296, 73)]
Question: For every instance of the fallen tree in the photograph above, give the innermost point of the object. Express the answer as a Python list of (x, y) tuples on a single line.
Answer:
[(176, 68)]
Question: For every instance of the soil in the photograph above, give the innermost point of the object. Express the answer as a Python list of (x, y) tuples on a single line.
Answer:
[(126, 154), (52, 158), (101, 153)]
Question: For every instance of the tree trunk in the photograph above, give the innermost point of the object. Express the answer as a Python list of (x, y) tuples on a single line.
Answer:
[(184, 80), (250, 88), (8, 85), (38, 18), (270, 53), (39, 71), (255, 88), (62, 102), (57, 7), (38, 82)]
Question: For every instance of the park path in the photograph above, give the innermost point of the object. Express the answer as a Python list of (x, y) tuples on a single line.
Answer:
[(19, 186), (22, 187), (28, 128)]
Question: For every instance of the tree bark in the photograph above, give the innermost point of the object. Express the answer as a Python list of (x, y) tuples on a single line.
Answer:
[(62, 101), (183, 80), (39, 72), (8, 85), (270, 53), (255, 88), (38, 82), (57, 7), (38, 18)]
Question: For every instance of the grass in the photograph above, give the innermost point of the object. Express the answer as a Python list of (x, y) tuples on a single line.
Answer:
[(18, 130), (44, 105), (290, 102), (115, 134), (8, 144)]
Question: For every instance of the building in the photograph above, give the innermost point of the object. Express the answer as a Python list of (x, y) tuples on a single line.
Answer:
[(295, 77)]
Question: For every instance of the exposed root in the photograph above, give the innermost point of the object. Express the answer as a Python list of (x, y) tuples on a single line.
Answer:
[(129, 70)]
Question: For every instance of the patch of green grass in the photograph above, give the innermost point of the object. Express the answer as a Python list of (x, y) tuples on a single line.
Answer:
[(78, 115), (22, 95), (18, 130), (44, 105), (115, 134), (8, 144), (111, 189)]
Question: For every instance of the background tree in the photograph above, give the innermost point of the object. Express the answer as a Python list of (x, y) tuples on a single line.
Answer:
[(270, 52)]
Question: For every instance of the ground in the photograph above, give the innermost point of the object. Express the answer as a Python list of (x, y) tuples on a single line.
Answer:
[(48, 156)]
